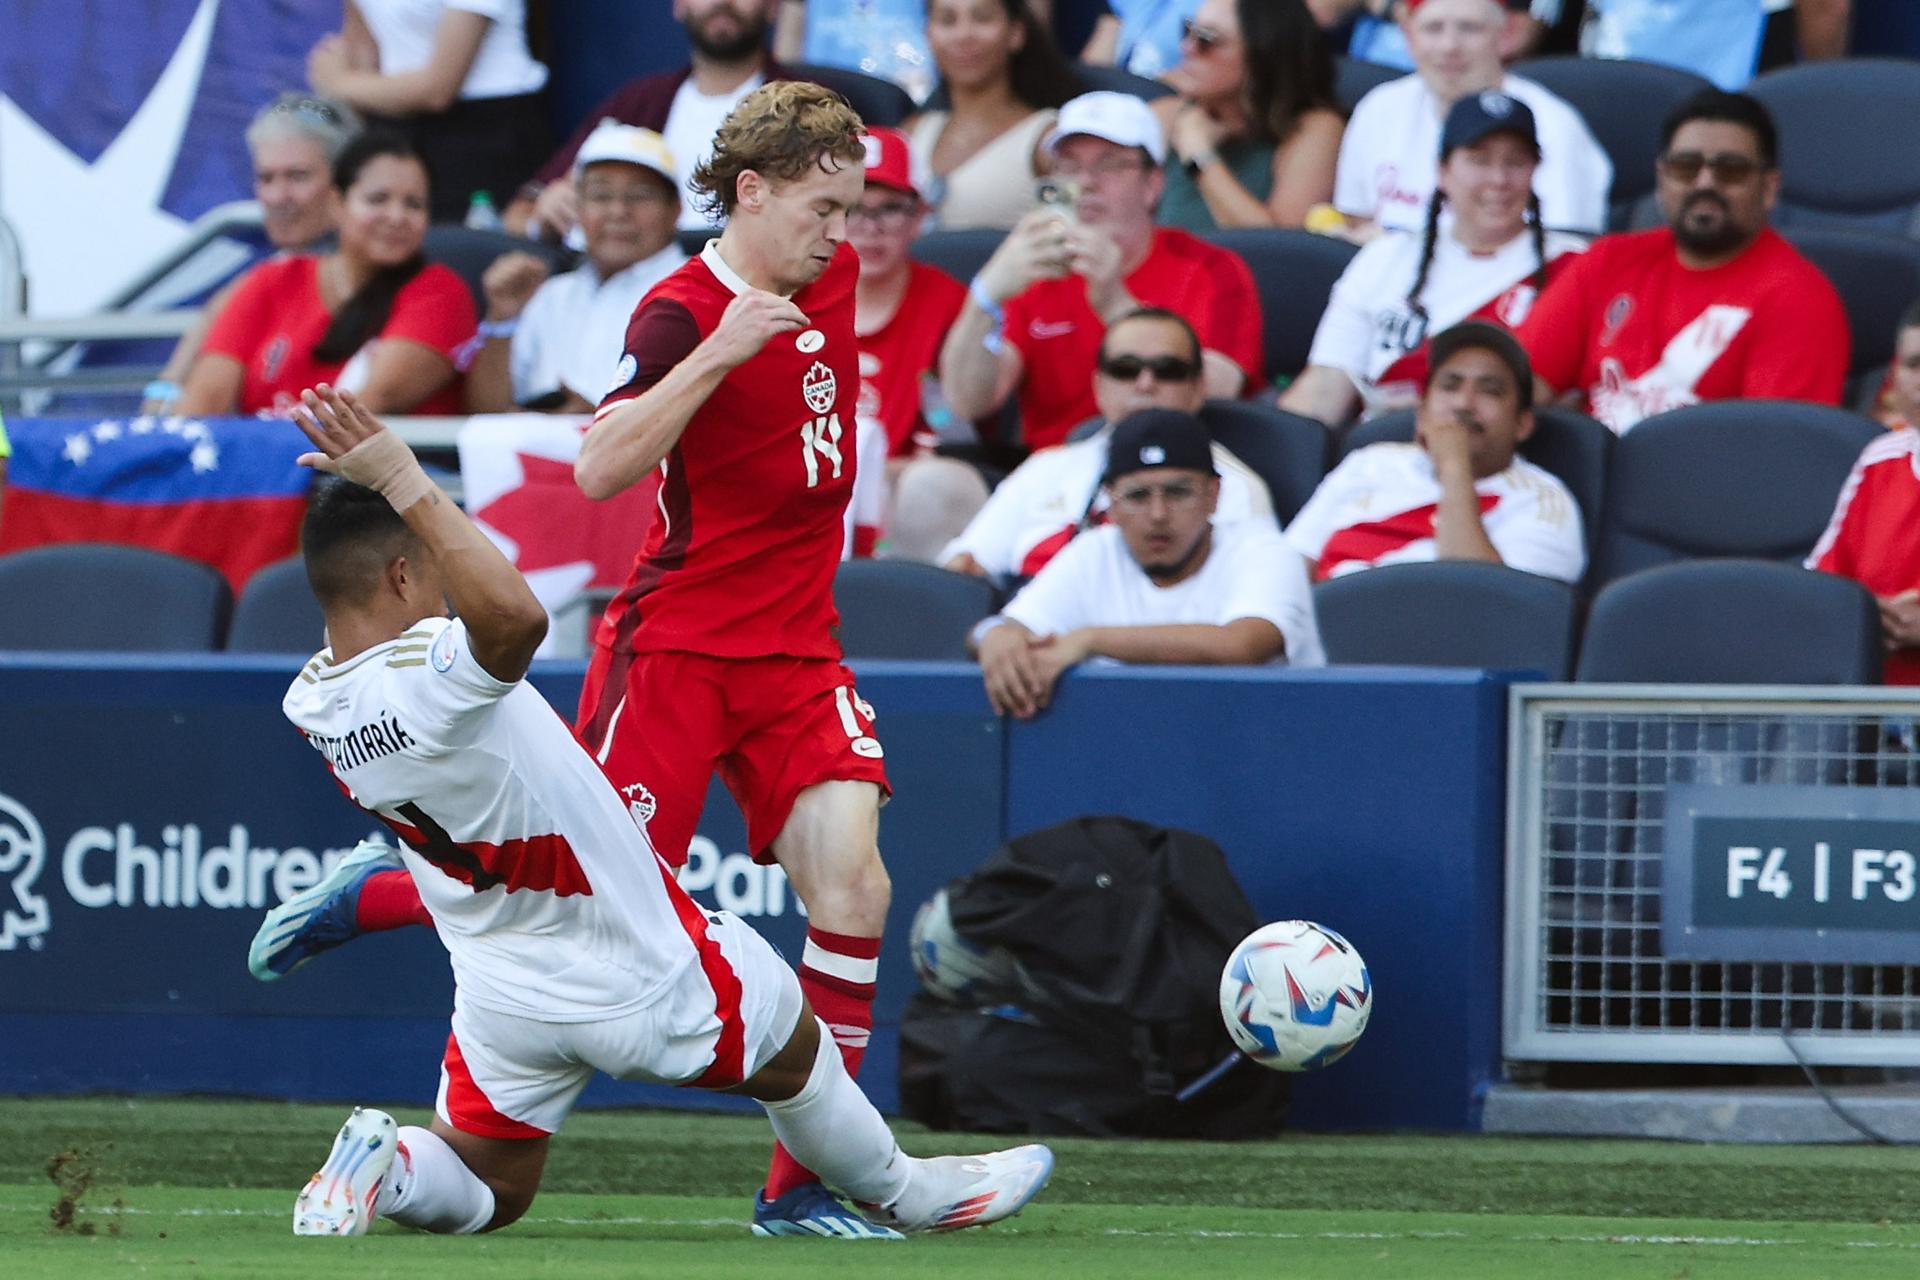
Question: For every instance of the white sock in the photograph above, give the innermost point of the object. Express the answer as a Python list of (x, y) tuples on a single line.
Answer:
[(431, 1188), (831, 1128)]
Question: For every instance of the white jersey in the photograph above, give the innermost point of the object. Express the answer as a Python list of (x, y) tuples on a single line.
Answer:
[(574, 329), (1249, 573), (1390, 157), (1372, 334), (542, 884), (1037, 510), (1377, 507)]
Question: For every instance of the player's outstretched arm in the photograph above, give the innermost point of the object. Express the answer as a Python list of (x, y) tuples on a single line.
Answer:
[(505, 621), (628, 439)]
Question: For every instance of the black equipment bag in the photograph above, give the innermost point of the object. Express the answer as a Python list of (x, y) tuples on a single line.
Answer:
[(1120, 930)]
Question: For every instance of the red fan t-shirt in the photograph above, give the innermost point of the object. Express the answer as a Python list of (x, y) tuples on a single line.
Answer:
[(895, 358), (1058, 335), (1874, 536), (1639, 334), (740, 563), (276, 316)]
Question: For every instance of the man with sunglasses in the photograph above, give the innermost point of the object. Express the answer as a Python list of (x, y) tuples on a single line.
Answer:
[(1162, 582), (1036, 312), (1149, 359), (1713, 306)]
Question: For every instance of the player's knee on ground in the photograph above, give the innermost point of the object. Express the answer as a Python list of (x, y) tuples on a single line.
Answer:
[(933, 500)]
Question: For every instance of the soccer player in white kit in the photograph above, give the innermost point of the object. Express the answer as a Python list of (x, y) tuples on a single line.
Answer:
[(573, 948)]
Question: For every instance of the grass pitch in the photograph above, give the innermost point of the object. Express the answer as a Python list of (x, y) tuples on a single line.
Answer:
[(205, 1188)]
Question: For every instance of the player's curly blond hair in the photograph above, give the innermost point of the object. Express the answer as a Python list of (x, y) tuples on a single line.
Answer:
[(780, 130)]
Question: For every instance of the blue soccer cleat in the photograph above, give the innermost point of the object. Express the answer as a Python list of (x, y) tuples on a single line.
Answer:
[(811, 1210), (320, 918)]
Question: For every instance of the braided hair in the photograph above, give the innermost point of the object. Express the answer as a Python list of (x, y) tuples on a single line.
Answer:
[(1430, 238)]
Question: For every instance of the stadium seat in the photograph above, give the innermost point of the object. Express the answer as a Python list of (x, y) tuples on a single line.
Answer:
[(1849, 155), (99, 597), (1732, 622), (1448, 613), (878, 101), (1354, 80), (960, 254), (1878, 277), (903, 609), (1287, 451), (1570, 445), (276, 612), (468, 253), (1293, 271), (1093, 78), (1755, 478), (1624, 102)]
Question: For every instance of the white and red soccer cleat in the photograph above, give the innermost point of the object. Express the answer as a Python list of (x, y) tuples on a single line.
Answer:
[(973, 1191), (339, 1200)]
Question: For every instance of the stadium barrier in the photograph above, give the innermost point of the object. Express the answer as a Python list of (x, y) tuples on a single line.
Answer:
[(150, 809), (1713, 875)]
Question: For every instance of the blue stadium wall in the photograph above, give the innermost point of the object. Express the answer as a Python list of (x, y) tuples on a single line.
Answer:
[(149, 811)]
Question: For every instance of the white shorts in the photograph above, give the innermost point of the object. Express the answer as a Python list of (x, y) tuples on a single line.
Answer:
[(507, 1076)]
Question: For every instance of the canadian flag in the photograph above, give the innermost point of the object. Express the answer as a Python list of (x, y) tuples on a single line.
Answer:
[(517, 470)]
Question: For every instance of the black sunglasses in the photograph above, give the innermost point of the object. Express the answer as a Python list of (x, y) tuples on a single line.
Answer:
[(1163, 368), (1204, 38), (1727, 167)]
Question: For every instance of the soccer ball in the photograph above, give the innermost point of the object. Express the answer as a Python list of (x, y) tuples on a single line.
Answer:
[(1295, 995), (952, 968)]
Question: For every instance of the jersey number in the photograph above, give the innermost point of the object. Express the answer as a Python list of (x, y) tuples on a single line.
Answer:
[(820, 439), (437, 847)]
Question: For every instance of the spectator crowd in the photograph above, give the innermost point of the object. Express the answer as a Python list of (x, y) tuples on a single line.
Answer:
[(1042, 417)]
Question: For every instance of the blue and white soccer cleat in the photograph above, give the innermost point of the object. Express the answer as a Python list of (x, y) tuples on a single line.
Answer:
[(320, 918), (340, 1199), (985, 1189), (811, 1210)]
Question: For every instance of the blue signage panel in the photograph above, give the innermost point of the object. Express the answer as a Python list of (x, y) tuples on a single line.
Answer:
[(1824, 874)]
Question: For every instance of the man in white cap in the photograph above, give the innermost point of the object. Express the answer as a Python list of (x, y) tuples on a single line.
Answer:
[(1036, 312), (554, 345)]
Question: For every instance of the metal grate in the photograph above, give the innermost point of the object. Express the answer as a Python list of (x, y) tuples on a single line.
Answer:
[(1585, 978)]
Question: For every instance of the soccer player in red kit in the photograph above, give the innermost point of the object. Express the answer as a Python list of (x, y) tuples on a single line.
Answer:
[(738, 383)]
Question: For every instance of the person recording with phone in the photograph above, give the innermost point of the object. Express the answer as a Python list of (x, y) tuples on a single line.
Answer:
[(1090, 254)]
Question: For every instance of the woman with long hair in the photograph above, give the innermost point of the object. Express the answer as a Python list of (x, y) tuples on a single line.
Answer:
[(1253, 126), (1001, 77), (1483, 254), (371, 315)]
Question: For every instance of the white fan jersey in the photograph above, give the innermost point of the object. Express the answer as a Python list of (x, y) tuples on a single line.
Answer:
[(1378, 506), (542, 884)]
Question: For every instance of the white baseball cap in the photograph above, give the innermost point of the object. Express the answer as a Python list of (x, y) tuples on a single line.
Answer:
[(628, 144), (1118, 117)]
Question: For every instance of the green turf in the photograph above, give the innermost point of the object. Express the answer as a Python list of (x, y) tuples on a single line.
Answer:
[(204, 1188)]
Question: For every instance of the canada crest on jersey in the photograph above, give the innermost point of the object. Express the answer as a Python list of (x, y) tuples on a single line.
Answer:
[(818, 387)]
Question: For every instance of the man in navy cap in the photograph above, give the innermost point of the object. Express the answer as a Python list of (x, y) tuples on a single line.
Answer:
[(1159, 583)]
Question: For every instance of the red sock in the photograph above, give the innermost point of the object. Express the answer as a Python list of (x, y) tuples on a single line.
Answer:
[(390, 900), (837, 973)]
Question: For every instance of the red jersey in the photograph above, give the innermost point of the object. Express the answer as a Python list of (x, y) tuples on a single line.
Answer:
[(1058, 335), (276, 316), (1874, 536), (741, 562), (895, 358), (1639, 334)]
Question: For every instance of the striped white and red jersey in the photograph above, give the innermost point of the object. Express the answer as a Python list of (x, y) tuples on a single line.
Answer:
[(1377, 507), (1371, 333), (1874, 535), (542, 884)]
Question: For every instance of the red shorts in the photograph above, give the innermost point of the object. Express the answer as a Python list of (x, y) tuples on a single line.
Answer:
[(660, 724)]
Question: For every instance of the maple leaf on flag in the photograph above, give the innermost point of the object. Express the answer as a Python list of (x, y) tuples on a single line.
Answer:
[(553, 523)]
